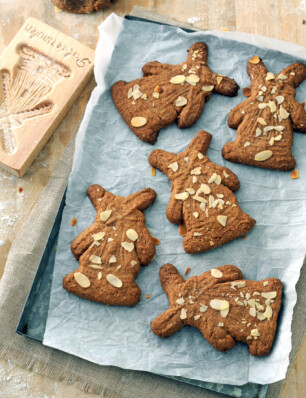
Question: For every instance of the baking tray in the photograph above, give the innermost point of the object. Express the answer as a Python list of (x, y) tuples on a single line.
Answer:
[(33, 319)]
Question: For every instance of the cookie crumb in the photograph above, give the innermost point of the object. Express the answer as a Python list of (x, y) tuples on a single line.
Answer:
[(153, 171), (20, 189), (182, 230), (294, 174), (247, 91), (156, 241), (73, 222), (148, 295), (188, 269), (244, 237)]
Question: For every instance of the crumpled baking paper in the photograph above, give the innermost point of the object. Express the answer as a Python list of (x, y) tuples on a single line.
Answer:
[(109, 154)]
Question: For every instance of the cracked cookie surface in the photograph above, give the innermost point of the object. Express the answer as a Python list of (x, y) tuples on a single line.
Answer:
[(168, 93), (112, 249), (202, 196), (265, 120), (224, 307)]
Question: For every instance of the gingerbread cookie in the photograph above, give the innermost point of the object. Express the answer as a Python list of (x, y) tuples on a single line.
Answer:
[(169, 92), (266, 119), (225, 308), (82, 6), (202, 196), (112, 249)]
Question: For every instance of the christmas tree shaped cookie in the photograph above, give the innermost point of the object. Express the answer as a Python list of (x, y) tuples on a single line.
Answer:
[(225, 308), (202, 196), (266, 119), (112, 249), (168, 93)]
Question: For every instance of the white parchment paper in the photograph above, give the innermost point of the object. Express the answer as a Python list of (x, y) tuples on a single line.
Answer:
[(109, 154)]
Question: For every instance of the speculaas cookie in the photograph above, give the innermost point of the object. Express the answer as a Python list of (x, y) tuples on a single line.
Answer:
[(225, 308), (169, 92), (112, 249), (202, 196), (266, 119), (82, 6)]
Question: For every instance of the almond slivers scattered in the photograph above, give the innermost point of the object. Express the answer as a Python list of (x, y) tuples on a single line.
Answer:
[(219, 305), (262, 156), (138, 121), (222, 220), (216, 273), (132, 234), (105, 215), (128, 246), (173, 166), (179, 79), (114, 280), (95, 259), (181, 101), (81, 280)]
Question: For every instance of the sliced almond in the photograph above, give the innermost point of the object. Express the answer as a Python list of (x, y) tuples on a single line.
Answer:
[(133, 263), (155, 95), (254, 60), (255, 332), (219, 305), (138, 121), (279, 128), (257, 132), (280, 99), (261, 121), (262, 156), (203, 308), (225, 174), (105, 215), (283, 113), (238, 284), (137, 94), (212, 178), (179, 79), (99, 275), (252, 312), (202, 206), (132, 234), (216, 273), (181, 196), (183, 314), (81, 280), (180, 301), (264, 88), (205, 189), (95, 266), (144, 97), (192, 79), (224, 313), (271, 142), (194, 179), (114, 280), (251, 302), (268, 312), (196, 171), (220, 324), (195, 214), (269, 295), (95, 259), (112, 259), (263, 105), (219, 79), (281, 76), (246, 144), (130, 93), (199, 199), (190, 190), (197, 234), (99, 236), (181, 101), (272, 106), (270, 76), (128, 246), (197, 317), (200, 155), (208, 88), (173, 166), (222, 220), (273, 91), (217, 180)]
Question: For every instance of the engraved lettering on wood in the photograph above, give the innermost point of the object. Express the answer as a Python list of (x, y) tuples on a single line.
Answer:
[(22, 95)]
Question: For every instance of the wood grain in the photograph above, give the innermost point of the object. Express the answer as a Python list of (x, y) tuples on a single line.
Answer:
[(281, 19)]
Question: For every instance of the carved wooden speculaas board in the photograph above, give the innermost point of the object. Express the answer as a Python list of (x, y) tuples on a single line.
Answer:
[(42, 72)]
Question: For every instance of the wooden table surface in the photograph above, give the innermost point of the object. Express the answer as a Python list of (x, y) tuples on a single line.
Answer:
[(281, 19)]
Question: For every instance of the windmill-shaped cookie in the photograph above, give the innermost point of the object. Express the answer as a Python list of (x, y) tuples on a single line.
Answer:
[(266, 119), (202, 196), (112, 249), (225, 308), (168, 93)]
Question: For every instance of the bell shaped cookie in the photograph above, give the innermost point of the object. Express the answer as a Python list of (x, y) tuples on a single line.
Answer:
[(112, 249), (202, 196), (224, 307), (265, 120), (168, 93)]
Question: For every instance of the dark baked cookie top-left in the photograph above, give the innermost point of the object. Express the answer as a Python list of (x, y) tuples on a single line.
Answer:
[(168, 93)]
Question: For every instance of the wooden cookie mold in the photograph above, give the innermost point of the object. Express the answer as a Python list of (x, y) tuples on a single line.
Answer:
[(42, 72)]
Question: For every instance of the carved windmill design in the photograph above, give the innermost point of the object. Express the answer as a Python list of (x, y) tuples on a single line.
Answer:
[(21, 96)]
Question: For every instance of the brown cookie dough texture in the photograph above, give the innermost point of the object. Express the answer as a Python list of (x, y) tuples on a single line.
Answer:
[(266, 119), (82, 6), (202, 196), (168, 93), (225, 308), (112, 249)]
